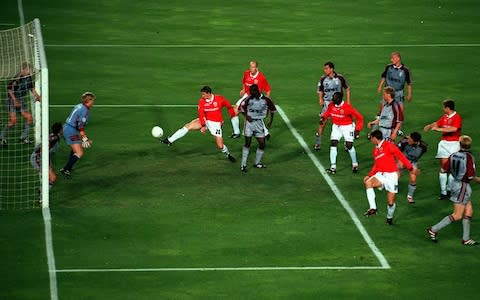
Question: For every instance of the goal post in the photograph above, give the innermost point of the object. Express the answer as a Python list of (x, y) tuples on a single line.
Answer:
[(21, 184)]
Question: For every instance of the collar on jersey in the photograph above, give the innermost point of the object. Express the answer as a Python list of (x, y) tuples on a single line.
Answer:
[(379, 145), (452, 114), (209, 100)]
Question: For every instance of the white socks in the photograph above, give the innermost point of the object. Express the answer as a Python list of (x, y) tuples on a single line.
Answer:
[(371, 198), (235, 125), (178, 134), (443, 178)]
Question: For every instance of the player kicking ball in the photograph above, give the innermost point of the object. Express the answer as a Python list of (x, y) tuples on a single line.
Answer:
[(384, 173), (209, 117), (255, 108)]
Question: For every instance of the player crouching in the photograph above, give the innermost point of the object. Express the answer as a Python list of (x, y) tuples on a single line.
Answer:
[(53, 143)]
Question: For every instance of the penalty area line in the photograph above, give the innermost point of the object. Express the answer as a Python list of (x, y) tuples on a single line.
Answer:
[(432, 45), (217, 269), (381, 258)]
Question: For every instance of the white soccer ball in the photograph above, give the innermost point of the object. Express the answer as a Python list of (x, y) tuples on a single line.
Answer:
[(157, 132)]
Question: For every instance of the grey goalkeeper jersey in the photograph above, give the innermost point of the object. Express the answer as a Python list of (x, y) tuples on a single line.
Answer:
[(257, 108)]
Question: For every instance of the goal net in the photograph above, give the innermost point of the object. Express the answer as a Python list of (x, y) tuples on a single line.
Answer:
[(23, 120)]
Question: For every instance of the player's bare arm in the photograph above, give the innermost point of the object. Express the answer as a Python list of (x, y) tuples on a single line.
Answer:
[(36, 95), (409, 93), (371, 123), (347, 92), (270, 120), (380, 86), (429, 126), (395, 130), (445, 129), (321, 101)]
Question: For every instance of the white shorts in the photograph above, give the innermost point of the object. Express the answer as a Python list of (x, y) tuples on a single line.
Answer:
[(215, 128), (345, 131), (389, 181), (447, 148)]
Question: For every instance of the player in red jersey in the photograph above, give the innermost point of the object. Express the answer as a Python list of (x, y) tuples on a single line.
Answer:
[(384, 173), (250, 76), (450, 125), (209, 117), (329, 83), (342, 115)]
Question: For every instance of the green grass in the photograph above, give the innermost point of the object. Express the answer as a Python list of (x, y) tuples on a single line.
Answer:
[(133, 203)]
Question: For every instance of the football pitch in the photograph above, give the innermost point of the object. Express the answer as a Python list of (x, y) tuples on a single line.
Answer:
[(141, 220)]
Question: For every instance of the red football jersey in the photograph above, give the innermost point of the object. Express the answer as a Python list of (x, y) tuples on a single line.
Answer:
[(384, 155), (259, 79), (212, 110), (453, 120), (343, 114)]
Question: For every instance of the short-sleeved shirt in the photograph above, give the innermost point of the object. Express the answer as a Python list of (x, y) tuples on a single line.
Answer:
[(390, 115), (453, 120), (461, 166), (78, 118), (257, 108), (212, 109), (396, 77), (259, 79), (384, 155), (343, 114), (329, 85), (20, 85)]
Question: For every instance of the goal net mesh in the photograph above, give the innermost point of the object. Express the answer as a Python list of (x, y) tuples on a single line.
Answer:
[(20, 183)]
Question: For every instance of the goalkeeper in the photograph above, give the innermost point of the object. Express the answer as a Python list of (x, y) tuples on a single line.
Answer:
[(74, 131)]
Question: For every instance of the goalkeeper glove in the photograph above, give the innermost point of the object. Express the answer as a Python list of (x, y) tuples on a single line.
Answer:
[(86, 142)]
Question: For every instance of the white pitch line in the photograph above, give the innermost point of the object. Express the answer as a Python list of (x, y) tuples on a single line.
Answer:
[(336, 191), (217, 269), (433, 45), (383, 261), (127, 105), (7, 24), (47, 219)]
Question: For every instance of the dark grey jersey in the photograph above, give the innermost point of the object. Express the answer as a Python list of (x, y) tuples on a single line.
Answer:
[(329, 85), (412, 152), (396, 77)]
